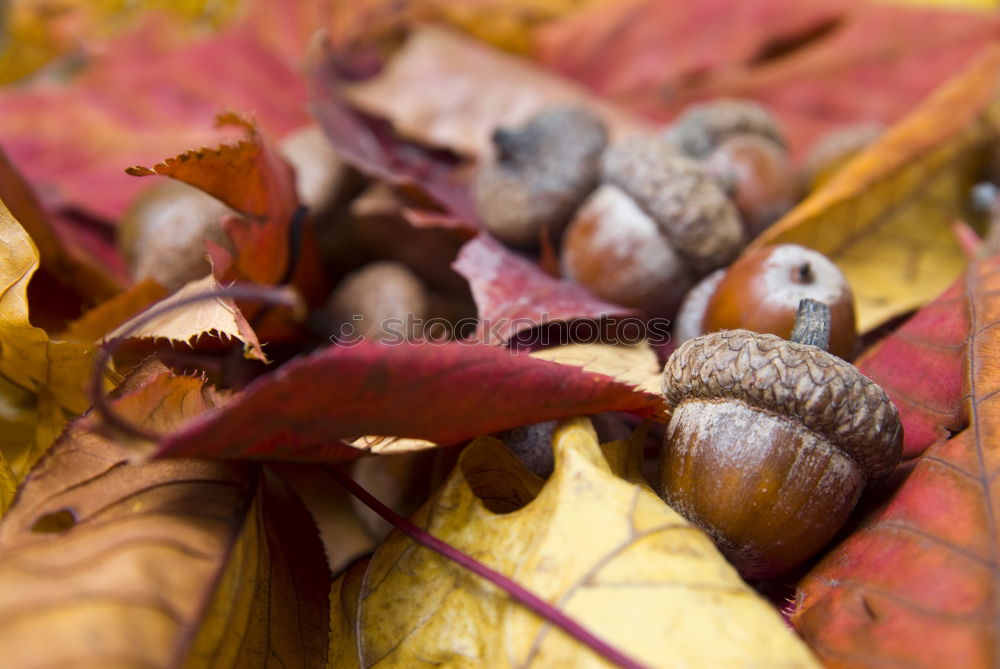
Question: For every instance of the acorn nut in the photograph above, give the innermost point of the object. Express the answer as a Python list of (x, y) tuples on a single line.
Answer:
[(770, 444), (690, 208), (761, 291), (382, 301), (542, 172), (702, 127)]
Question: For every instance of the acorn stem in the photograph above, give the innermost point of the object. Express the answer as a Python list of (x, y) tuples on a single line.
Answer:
[(812, 324)]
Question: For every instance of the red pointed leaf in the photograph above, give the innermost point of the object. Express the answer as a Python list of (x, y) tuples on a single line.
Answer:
[(514, 294), (918, 586), (445, 393), (920, 367)]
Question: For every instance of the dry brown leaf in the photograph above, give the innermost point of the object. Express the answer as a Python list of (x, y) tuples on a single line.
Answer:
[(156, 564), (476, 89), (219, 316), (886, 217), (608, 552)]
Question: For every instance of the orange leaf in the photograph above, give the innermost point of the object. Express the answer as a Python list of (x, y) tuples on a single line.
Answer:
[(918, 586), (253, 179)]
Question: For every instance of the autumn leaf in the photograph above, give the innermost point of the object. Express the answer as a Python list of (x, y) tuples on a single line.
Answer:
[(817, 66), (917, 585), (42, 380), (606, 551), (635, 364), (514, 294), (476, 89), (885, 218), (179, 561), (444, 393), (99, 129), (218, 317), (372, 146), (919, 365)]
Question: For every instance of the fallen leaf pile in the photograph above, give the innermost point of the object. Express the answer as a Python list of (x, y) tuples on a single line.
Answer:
[(172, 442)]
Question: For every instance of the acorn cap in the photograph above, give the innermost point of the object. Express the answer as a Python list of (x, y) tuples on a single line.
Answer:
[(702, 127), (542, 172), (802, 382), (690, 207)]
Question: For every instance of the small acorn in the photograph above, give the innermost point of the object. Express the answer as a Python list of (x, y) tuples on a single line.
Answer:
[(621, 255), (761, 291), (770, 444), (687, 204), (542, 171), (383, 301), (162, 234), (702, 127), (321, 177), (759, 177)]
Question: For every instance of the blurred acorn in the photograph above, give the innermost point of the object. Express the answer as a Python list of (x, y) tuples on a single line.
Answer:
[(542, 171), (702, 127), (381, 301), (162, 234)]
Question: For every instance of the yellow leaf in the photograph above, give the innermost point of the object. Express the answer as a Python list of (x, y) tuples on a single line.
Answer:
[(169, 563), (608, 552), (636, 364), (186, 323), (42, 381), (886, 217), (8, 485)]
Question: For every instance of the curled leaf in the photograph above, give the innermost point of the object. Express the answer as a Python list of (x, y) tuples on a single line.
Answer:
[(513, 294), (218, 316), (41, 380), (607, 552)]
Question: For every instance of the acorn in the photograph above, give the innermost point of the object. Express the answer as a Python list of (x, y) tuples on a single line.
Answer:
[(162, 234), (542, 171), (702, 127), (687, 204), (770, 444), (383, 301), (321, 177), (761, 291), (758, 175), (621, 255)]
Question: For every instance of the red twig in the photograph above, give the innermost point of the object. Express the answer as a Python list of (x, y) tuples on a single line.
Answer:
[(517, 591)]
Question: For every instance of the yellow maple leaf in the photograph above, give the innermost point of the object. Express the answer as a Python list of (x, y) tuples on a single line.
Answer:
[(42, 381), (605, 550)]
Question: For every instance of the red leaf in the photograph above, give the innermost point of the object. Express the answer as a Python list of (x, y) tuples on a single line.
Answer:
[(149, 95), (917, 587), (253, 179), (514, 294), (373, 147), (446, 393), (920, 367), (815, 65)]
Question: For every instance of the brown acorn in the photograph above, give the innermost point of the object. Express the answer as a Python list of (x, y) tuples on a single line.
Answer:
[(702, 127), (543, 170), (770, 444)]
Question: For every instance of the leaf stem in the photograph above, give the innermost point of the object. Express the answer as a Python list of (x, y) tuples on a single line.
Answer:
[(518, 592)]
